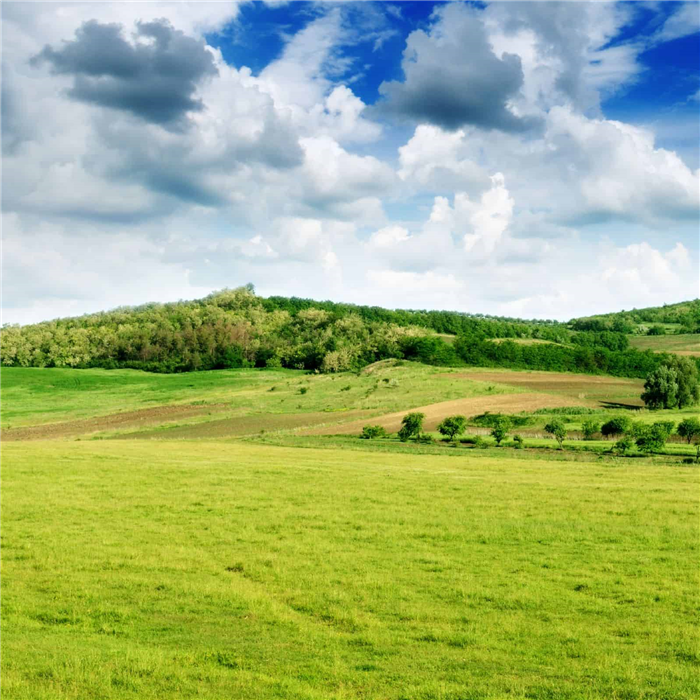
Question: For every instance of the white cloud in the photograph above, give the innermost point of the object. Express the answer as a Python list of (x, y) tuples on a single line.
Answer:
[(683, 22), (439, 161)]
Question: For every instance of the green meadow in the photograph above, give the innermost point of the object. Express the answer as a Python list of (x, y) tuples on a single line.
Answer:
[(237, 570), (268, 556)]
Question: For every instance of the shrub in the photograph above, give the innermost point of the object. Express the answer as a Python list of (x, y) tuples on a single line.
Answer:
[(491, 420), (371, 432), (518, 442), (589, 429), (689, 429), (480, 443), (557, 430), (452, 426), (616, 426), (425, 439), (623, 445), (411, 426), (652, 438), (346, 388), (303, 390)]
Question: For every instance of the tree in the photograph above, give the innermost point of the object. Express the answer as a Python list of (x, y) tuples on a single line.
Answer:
[(589, 429), (557, 430), (652, 438), (411, 426), (452, 426), (672, 384), (500, 429), (616, 426), (689, 429)]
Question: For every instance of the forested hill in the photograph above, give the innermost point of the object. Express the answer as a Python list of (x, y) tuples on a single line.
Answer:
[(685, 316), (236, 328)]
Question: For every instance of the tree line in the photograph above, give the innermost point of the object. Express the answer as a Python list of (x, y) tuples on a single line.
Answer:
[(235, 328)]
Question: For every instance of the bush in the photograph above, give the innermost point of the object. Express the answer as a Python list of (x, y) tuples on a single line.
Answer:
[(491, 420), (623, 445), (589, 429), (616, 426), (303, 390), (346, 388), (425, 439), (411, 426), (518, 442), (652, 438), (371, 432), (452, 426)]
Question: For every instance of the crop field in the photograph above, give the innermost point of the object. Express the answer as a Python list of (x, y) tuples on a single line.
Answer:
[(681, 344), (251, 571)]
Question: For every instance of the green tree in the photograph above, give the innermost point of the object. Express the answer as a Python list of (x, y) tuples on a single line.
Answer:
[(452, 426), (689, 429), (589, 429), (557, 430), (674, 384), (652, 438), (411, 426), (500, 429), (616, 426)]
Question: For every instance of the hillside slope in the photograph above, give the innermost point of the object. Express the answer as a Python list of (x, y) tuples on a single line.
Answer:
[(236, 328)]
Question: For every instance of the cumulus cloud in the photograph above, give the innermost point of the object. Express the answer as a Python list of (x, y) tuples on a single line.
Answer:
[(155, 78), (440, 161), (619, 172), (453, 77)]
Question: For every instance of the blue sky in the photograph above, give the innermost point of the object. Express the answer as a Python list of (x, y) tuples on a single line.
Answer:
[(535, 159)]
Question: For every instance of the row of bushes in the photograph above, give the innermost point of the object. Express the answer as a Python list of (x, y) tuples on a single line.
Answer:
[(648, 438)]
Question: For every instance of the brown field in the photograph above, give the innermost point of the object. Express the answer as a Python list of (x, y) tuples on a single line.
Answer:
[(436, 412), (591, 390), (116, 421), (239, 426)]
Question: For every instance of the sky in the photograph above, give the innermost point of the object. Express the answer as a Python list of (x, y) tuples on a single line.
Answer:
[(530, 159)]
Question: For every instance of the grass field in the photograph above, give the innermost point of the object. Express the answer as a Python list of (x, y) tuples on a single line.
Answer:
[(247, 557), (681, 344), (39, 396), (249, 571)]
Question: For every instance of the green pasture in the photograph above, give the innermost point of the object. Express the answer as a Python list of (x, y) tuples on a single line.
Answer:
[(32, 396), (681, 342), (137, 569)]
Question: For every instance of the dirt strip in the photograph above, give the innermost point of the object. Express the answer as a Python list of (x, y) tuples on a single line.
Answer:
[(129, 419)]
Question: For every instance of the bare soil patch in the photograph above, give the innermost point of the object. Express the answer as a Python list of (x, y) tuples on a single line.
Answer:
[(590, 390), (128, 419), (240, 426), (436, 412)]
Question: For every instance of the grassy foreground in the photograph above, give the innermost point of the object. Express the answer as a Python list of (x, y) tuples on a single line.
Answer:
[(236, 570)]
